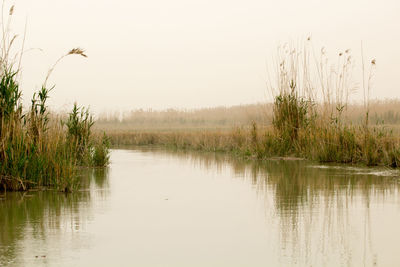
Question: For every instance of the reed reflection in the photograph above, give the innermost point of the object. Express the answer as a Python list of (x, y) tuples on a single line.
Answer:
[(324, 214), (35, 215)]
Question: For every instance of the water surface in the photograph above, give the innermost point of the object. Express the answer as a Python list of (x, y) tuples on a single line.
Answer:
[(158, 208)]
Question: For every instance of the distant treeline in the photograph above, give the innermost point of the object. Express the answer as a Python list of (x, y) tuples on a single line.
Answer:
[(172, 119), (382, 112)]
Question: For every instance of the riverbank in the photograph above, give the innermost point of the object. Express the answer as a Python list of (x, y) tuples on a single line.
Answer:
[(311, 116), (349, 145)]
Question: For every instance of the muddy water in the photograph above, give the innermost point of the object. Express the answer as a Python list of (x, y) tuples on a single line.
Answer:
[(157, 208)]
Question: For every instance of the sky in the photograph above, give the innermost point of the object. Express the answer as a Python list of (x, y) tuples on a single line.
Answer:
[(190, 54)]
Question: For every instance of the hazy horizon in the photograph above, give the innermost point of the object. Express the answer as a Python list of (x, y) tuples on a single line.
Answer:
[(191, 54)]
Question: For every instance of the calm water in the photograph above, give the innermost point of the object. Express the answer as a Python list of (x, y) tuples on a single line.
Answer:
[(155, 208)]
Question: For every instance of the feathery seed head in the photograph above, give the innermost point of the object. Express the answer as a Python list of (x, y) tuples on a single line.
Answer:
[(77, 51)]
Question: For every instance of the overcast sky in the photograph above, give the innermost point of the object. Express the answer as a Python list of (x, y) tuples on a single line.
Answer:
[(188, 54)]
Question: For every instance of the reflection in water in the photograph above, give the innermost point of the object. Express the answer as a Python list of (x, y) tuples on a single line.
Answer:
[(317, 205), (95, 179), (35, 214), (182, 206)]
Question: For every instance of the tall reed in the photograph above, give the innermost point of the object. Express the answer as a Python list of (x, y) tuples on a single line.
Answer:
[(310, 103), (33, 151)]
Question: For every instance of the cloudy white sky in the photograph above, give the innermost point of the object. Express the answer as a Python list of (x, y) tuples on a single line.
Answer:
[(187, 54)]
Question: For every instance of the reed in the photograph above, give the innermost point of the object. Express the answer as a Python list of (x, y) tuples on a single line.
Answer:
[(37, 149), (310, 117)]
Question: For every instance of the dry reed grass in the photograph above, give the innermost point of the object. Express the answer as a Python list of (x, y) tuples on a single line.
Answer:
[(37, 150), (311, 117), (382, 112)]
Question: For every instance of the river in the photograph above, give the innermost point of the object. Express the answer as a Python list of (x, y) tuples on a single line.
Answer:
[(165, 208)]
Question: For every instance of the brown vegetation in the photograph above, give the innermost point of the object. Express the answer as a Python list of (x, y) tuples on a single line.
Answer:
[(37, 149), (311, 117)]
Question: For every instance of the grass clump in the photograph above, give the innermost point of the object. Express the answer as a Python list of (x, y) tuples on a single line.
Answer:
[(100, 156), (79, 126), (37, 151), (31, 153), (311, 123), (89, 150)]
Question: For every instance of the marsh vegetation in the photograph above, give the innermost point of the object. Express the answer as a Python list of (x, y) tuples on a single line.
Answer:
[(197, 208), (312, 116), (36, 148)]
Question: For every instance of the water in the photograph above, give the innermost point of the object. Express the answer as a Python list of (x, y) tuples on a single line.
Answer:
[(158, 208)]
